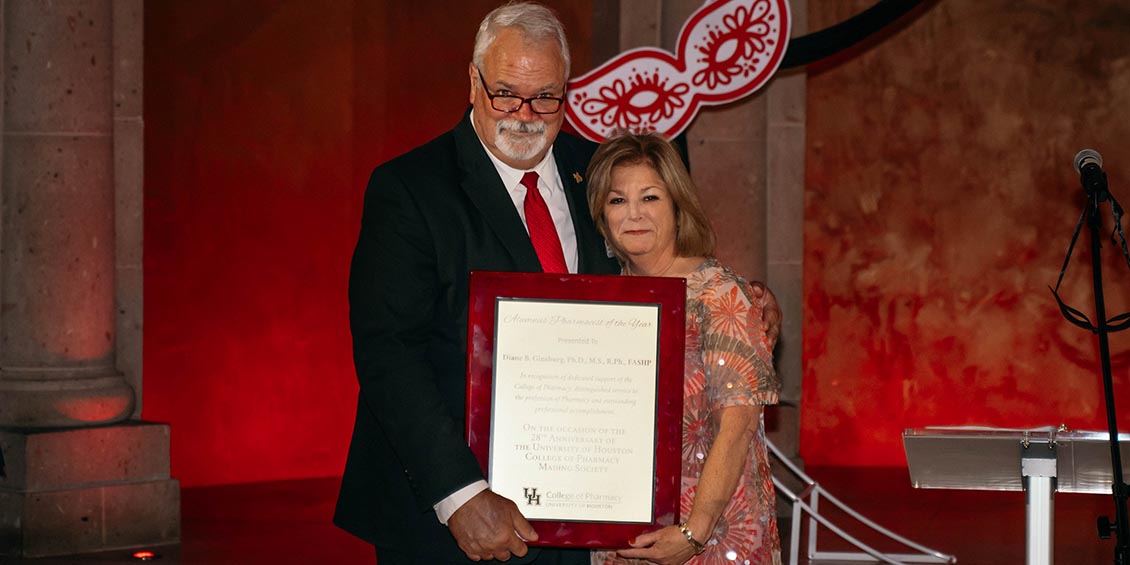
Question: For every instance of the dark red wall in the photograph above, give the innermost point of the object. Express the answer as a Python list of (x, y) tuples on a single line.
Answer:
[(263, 120), (940, 201)]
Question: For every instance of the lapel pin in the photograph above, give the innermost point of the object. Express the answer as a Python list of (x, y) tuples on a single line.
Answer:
[(577, 177)]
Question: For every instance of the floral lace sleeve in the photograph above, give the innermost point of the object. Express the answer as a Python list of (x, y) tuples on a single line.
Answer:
[(737, 355)]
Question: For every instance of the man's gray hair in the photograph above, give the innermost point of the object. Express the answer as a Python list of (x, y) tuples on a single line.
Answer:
[(535, 21)]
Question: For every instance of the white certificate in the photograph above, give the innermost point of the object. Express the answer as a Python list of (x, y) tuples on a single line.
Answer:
[(574, 406)]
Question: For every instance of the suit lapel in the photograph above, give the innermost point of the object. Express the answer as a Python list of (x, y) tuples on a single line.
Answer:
[(482, 185)]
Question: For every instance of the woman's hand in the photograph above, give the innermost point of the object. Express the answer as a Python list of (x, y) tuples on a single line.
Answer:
[(770, 310), (665, 547)]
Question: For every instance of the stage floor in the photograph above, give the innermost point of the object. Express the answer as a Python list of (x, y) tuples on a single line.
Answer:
[(289, 522)]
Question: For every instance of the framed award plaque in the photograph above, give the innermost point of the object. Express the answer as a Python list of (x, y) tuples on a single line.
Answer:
[(574, 400)]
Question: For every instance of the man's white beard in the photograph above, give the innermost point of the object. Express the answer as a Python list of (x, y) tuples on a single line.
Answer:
[(520, 148)]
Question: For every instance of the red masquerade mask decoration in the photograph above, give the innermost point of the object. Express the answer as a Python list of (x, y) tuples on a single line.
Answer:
[(727, 50)]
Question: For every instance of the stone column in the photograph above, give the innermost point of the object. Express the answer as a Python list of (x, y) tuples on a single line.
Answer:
[(784, 225), (79, 477), (57, 239)]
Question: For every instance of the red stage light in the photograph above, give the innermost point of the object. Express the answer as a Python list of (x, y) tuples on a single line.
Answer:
[(145, 555)]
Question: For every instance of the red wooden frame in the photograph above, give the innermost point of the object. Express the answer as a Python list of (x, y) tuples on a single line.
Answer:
[(670, 294)]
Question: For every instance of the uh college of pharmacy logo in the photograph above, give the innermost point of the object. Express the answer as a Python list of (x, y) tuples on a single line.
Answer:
[(532, 496), (727, 50)]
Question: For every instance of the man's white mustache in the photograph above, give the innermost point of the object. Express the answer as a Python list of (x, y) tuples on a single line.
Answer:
[(520, 126)]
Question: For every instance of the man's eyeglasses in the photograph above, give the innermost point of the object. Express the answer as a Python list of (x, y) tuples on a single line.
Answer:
[(540, 104)]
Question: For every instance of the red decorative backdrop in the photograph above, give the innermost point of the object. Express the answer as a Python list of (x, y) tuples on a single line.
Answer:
[(263, 120), (940, 200)]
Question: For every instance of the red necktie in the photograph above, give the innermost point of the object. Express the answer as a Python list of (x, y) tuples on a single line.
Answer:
[(543, 234)]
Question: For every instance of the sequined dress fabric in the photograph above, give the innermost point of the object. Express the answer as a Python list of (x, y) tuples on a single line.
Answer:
[(728, 363)]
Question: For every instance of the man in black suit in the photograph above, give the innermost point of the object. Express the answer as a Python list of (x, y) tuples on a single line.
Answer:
[(459, 203)]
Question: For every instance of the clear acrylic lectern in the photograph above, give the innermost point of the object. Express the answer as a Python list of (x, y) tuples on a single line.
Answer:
[(1038, 461)]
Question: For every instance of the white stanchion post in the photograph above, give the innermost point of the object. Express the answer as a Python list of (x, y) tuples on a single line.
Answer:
[(1038, 469)]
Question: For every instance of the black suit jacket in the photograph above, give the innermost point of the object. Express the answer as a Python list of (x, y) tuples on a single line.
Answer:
[(430, 217)]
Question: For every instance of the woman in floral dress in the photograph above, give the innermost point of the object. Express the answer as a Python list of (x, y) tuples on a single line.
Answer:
[(645, 205)]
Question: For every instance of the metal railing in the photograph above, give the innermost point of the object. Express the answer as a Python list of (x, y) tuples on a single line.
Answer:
[(808, 501)]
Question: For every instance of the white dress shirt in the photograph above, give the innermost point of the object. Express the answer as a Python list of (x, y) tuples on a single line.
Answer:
[(549, 184)]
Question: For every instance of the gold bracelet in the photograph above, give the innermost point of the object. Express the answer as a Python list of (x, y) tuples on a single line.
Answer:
[(698, 547)]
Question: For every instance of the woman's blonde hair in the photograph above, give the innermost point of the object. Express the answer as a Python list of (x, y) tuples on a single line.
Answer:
[(693, 234)]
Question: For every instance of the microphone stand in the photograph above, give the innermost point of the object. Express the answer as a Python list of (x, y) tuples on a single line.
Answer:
[(1094, 185), (1120, 526)]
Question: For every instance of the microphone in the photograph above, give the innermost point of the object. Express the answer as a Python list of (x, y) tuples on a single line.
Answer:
[(1087, 157), (1089, 165)]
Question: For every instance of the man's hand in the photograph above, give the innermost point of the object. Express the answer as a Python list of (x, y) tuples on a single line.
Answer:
[(490, 527), (770, 311)]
